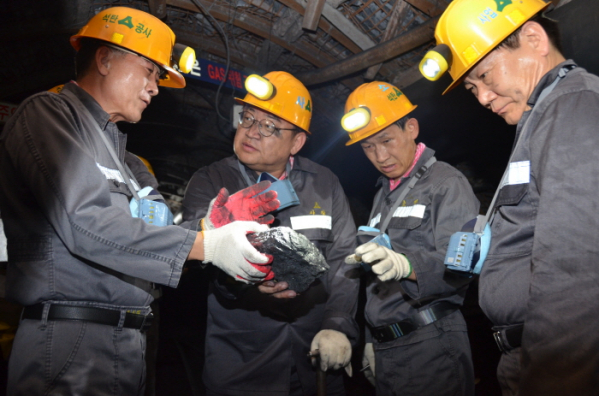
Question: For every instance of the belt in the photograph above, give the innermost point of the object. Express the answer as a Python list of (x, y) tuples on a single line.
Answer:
[(509, 338), (416, 321), (110, 317)]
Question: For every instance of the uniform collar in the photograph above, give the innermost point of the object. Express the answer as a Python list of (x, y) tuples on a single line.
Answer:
[(101, 117), (426, 155), (546, 80), (300, 164)]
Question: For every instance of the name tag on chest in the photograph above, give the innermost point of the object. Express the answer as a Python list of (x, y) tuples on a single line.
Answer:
[(402, 211), (311, 221), (518, 173)]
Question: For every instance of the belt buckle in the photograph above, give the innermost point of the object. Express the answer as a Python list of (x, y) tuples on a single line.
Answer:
[(499, 341), (146, 324), (383, 335), (377, 334)]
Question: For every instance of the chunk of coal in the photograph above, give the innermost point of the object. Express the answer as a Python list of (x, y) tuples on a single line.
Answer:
[(295, 259)]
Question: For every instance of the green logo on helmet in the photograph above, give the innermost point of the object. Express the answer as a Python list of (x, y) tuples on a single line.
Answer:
[(127, 22), (394, 95), (301, 102), (501, 4)]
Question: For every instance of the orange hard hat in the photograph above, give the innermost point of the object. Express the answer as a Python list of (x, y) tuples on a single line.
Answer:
[(470, 29), (281, 94), (136, 31), (372, 107)]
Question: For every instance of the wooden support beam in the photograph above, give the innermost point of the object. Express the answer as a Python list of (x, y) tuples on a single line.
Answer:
[(157, 8), (258, 27), (398, 13), (407, 77), (377, 54), (431, 8), (345, 26), (326, 26), (217, 48), (312, 15)]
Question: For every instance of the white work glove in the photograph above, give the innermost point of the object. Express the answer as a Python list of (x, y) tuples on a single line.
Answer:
[(334, 350), (387, 264), (368, 360), (228, 248)]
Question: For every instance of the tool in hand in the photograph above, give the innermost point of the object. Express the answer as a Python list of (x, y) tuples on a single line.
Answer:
[(321, 376)]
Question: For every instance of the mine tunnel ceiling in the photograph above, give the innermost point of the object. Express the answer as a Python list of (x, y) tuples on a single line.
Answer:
[(333, 46), (317, 40)]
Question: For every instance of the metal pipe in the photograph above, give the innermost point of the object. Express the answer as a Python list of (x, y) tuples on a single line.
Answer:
[(377, 54)]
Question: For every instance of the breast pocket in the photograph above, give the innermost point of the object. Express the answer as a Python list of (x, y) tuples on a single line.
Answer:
[(512, 194), (406, 224), (409, 217), (320, 237), (117, 187), (120, 194), (512, 228)]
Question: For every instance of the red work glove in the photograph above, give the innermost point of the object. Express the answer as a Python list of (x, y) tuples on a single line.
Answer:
[(244, 205), (265, 268)]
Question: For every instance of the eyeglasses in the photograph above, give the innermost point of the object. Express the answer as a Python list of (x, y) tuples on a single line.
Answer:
[(265, 127), (161, 72)]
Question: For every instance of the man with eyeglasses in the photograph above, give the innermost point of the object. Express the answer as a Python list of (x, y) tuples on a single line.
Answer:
[(256, 343), (79, 262)]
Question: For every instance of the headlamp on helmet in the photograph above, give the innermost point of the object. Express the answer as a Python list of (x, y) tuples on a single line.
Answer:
[(471, 29), (282, 95), (259, 86), (184, 57), (436, 62), (355, 119)]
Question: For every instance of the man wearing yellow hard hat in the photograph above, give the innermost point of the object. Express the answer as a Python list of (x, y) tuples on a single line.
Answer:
[(416, 338), (256, 343), (538, 284), (84, 244)]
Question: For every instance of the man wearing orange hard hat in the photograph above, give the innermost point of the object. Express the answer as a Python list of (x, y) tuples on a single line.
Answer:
[(256, 343), (416, 338), (538, 284), (85, 242)]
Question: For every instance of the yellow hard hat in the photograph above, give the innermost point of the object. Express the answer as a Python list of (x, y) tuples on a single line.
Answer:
[(146, 163), (371, 108), (470, 29), (136, 31), (56, 89), (281, 94)]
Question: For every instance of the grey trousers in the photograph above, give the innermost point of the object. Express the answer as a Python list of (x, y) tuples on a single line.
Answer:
[(433, 361), (76, 358), (335, 386), (508, 372)]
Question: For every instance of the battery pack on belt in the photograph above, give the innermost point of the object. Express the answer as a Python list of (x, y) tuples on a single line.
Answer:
[(421, 319), (110, 317)]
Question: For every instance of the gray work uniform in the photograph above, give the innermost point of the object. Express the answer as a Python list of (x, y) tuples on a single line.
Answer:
[(72, 240), (255, 343), (542, 268), (434, 359)]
